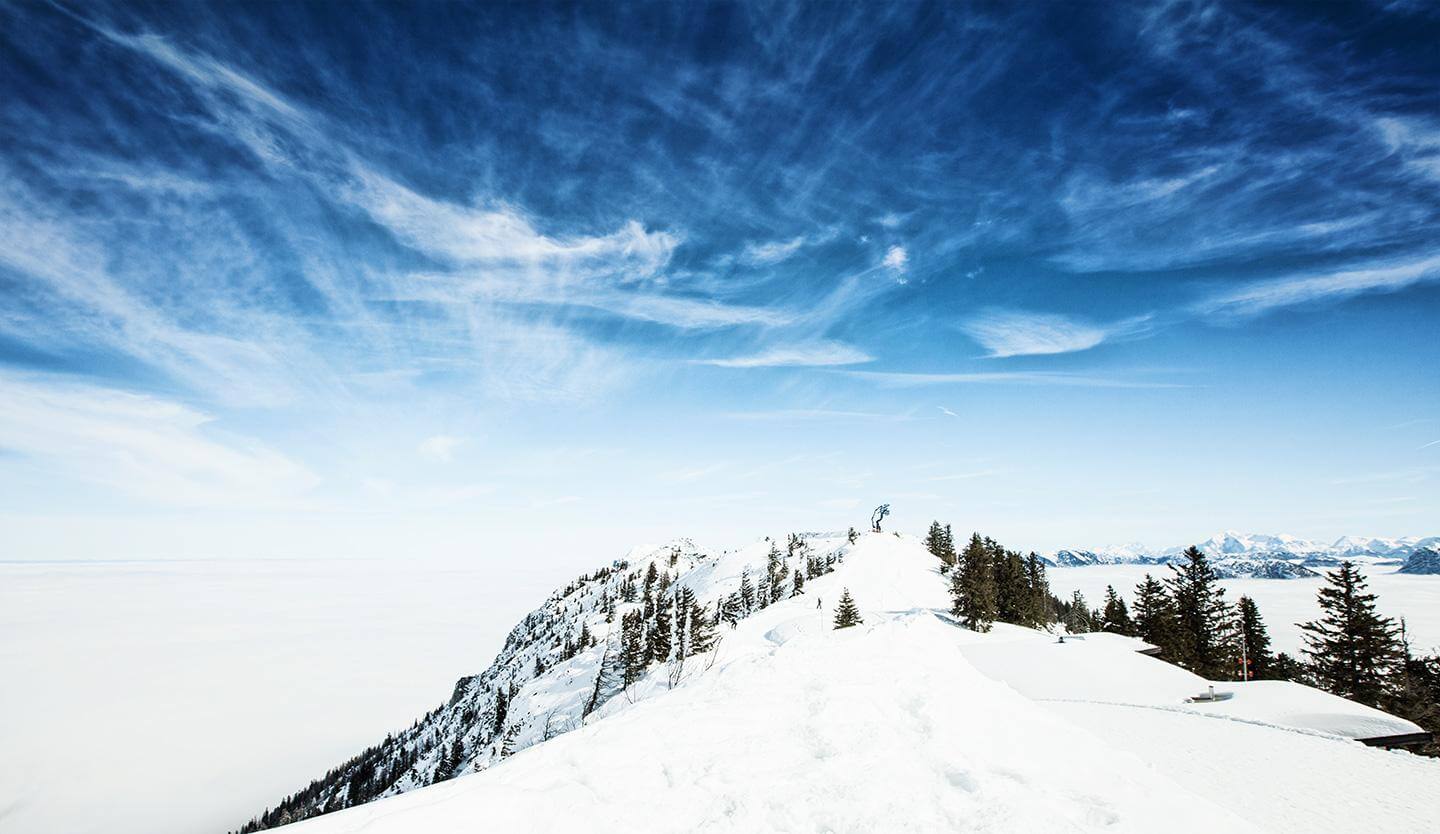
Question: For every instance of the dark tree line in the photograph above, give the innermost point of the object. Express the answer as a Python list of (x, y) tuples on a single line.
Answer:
[(989, 583)]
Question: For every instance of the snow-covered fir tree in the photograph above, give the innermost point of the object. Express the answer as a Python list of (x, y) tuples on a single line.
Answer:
[(847, 614), (1353, 650)]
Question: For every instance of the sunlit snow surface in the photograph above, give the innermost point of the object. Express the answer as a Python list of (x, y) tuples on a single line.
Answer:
[(891, 727)]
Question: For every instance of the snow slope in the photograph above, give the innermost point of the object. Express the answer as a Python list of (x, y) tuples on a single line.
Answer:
[(1106, 669), (802, 728), (910, 723)]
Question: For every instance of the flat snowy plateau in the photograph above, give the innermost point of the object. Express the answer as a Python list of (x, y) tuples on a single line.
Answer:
[(911, 723)]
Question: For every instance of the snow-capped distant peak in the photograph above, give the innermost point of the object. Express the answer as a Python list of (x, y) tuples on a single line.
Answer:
[(1254, 554)]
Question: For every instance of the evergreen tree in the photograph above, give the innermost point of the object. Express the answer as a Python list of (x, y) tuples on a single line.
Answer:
[(848, 613), (1287, 668), (1256, 641), (974, 587), (776, 572), (634, 656), (1417, 693), (602, 677), (1154, 618), (1012, 591), (647, 597), (662, 631), (702, 629), (939, 543), (684, 601), (1353, 650), (799, 584), (731, 610), (1077, 615), (852, 535), (502, 707), (957, 594), (1038, 610), (1200, 612), (453, 757), (747, 593), (1116, 616)]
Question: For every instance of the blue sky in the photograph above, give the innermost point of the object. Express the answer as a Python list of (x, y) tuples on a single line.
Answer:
[(542, 281)]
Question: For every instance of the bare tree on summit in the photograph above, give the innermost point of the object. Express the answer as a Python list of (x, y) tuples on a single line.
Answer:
[(879, 516)]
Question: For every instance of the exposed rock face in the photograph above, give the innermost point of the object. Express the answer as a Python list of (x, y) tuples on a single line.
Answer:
[(1424, 560)]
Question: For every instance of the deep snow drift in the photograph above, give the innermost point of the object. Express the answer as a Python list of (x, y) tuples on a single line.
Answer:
[(908, 722)]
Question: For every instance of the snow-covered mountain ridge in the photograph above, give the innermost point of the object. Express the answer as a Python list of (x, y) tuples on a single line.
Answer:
[(559, 665), (1258, 555), (904, 723)]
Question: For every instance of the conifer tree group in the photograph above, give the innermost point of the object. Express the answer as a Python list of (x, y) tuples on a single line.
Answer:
[(989, 583), (941, 544), (1351, 649)]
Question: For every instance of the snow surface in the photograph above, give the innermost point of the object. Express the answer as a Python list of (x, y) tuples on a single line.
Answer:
[(910, 723), (1106, 669)]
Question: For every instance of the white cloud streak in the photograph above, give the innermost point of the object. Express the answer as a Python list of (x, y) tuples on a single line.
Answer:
[(771, 252), (900, 379), (153, 449), (1017, 333), (1263, 297), (820, 354)]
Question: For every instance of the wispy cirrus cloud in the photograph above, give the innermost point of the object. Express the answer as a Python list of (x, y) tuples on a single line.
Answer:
[(818, 354), (506, 289), (153, 449), (771, 252), (1019, 333), (809, 414), (904, 379), (1260, 297)]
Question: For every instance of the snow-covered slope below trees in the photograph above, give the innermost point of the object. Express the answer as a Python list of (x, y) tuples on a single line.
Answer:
[(877, 728), (906, 722)]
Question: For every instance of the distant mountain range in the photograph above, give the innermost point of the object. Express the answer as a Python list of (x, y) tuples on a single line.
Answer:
[(1269, 556)]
